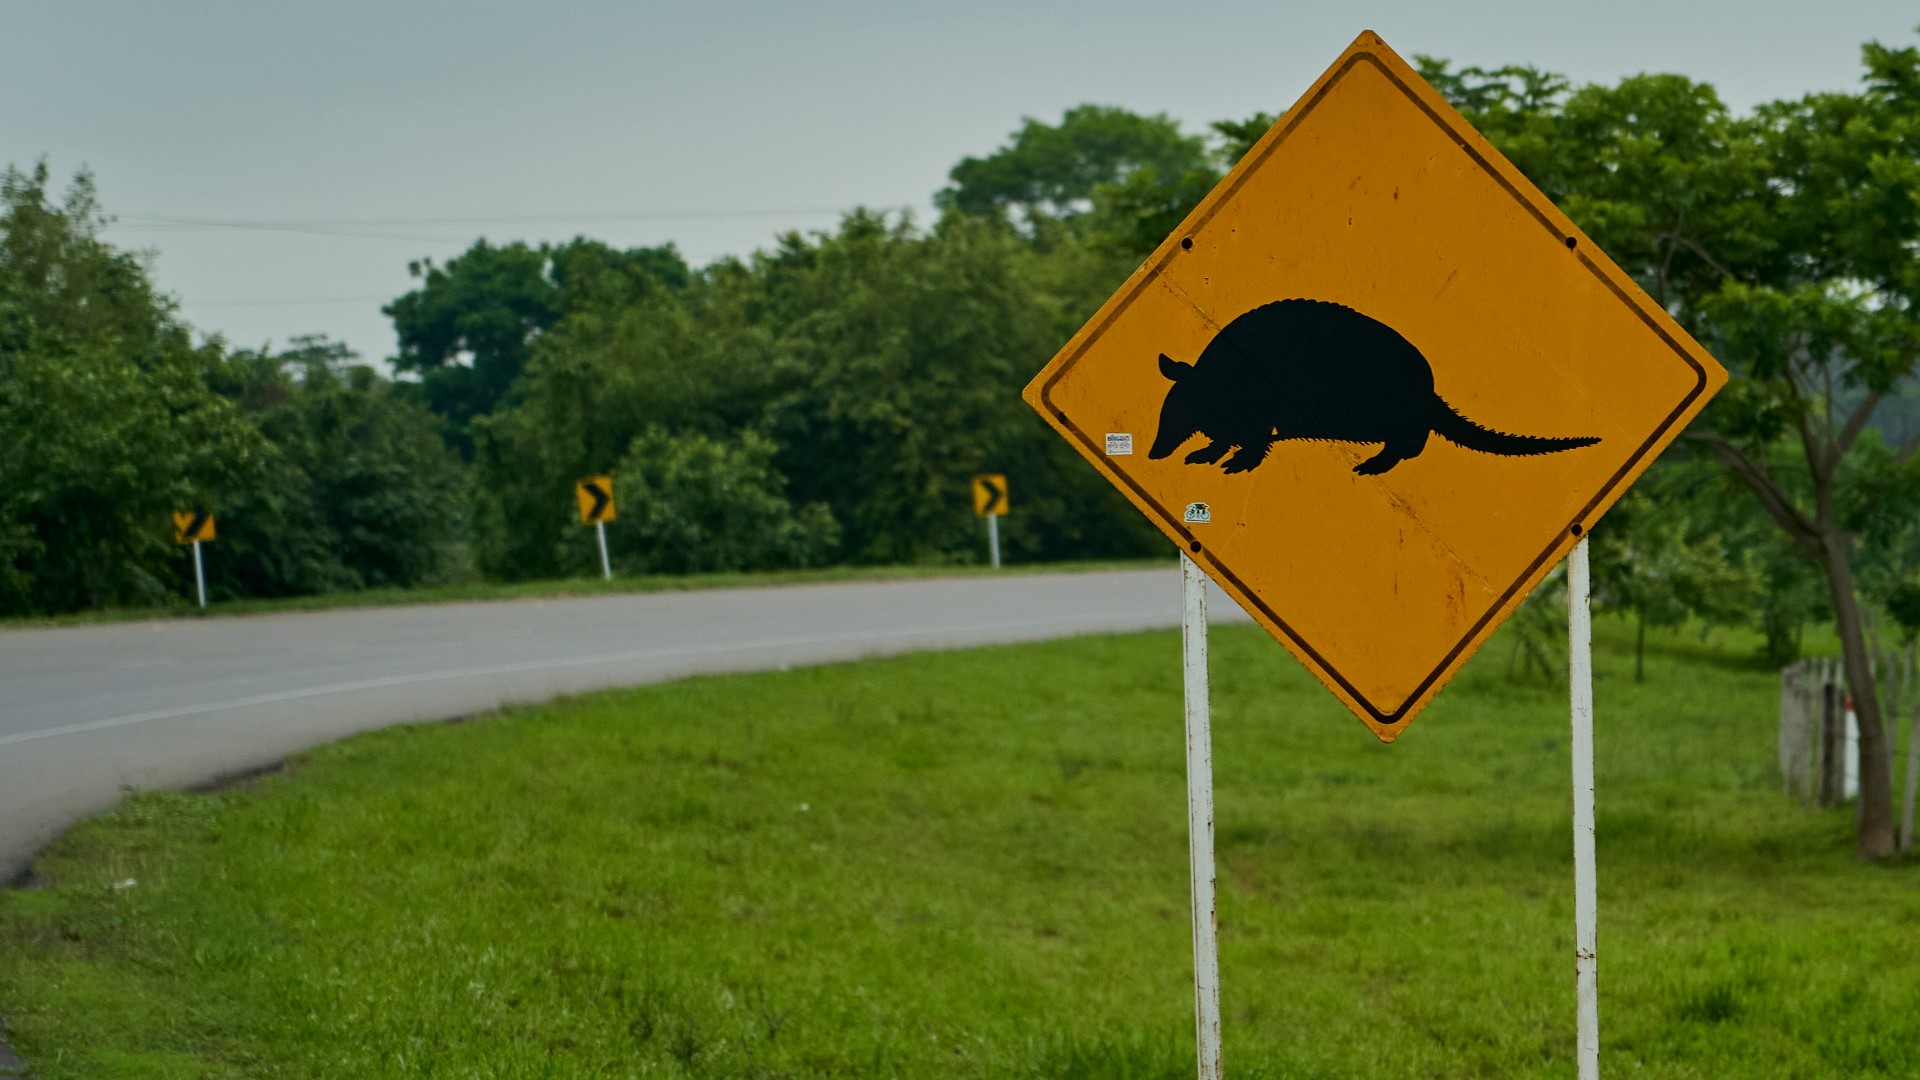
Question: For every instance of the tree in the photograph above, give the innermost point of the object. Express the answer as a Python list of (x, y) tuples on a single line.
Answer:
[(466, 329), (1124, 180), (1664, 563), (694, 504), (1134, 213), (687, 354), (105, 412), (882, 360), (365, 495), (1053, 170), (470, 326), (1830, 306), (1790, 243)]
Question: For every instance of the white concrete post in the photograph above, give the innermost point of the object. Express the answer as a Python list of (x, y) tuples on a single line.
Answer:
[(606, 568), (1206, 940), (1585, 899)]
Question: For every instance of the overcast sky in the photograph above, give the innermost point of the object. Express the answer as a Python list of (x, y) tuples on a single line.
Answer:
[(367, 134)]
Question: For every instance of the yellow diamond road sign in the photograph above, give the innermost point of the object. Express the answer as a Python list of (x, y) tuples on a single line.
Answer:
[(1376, 385)]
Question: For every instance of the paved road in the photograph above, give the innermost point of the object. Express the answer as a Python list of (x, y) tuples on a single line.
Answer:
[(87, 712)]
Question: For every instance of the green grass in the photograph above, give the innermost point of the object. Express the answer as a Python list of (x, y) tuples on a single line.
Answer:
[(471, 591), (974, 864)]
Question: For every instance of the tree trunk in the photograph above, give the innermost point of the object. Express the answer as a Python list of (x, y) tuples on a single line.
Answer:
[(1910, 704), (1913, 777), (1831, 548), (1876, 752)]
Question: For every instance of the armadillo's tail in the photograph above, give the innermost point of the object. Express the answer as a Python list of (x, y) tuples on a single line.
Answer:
[(1457, 429)]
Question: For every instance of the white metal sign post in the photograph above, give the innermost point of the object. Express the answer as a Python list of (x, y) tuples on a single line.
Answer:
[(595, 496), (1305, 266), (199, 575), (1585, 900), (1206, 938), (990, 501)]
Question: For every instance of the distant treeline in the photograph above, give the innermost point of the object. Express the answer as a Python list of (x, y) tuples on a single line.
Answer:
[(826, 399)]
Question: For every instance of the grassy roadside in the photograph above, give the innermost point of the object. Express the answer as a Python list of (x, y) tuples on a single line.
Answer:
[(974, 864), (562, 587)]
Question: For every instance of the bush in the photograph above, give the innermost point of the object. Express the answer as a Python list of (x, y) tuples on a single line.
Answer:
[(694, 504), (364, 494)]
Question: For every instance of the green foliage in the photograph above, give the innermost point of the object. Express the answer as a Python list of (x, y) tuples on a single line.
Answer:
[(1903, 603), (883, 361), (105, 412), (1539, 632), (1053, 170), (1133, 214), (365, 494), (691, 504), (1121, 181), (468, 328), (633, 351), (1238, 136), (1677, 547), (907, 353), (321, 475)]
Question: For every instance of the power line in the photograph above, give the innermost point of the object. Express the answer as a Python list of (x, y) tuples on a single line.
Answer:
[(351, 234), (357, 227), (497, 219), (289, 302)]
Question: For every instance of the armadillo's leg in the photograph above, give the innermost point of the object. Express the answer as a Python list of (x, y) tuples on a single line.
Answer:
[(1210, 453), (1395, 452), (1248, 456)]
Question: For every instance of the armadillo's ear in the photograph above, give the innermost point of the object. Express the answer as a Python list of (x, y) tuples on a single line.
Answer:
[(1174, 369)]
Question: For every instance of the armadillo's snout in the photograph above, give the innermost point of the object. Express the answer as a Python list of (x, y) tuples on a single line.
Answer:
[(1171, 434), (1164, 445)]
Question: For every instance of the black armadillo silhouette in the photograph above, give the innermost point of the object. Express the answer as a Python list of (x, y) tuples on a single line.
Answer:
[(1309, 369)]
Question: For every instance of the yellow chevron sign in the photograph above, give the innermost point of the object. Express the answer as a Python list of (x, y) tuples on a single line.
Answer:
[(192, 526), (595, 495), (990, 495)]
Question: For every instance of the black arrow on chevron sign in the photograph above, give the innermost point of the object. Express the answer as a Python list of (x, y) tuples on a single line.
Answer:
[(996, 495), (600, 500)]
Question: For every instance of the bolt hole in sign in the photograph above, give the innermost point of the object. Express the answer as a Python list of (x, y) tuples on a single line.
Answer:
[(1385, 376)]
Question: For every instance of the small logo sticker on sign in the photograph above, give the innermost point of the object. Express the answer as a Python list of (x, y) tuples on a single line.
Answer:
[(1119, 443), (1197, 514)]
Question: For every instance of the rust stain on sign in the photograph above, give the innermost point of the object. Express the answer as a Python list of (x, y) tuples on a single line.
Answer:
[(1413, 379)]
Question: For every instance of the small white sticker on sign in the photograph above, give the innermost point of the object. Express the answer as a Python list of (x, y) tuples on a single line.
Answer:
[(1119, 443), (1198, 514)]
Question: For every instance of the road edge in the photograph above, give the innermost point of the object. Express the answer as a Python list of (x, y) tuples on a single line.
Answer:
[(12, 1066)]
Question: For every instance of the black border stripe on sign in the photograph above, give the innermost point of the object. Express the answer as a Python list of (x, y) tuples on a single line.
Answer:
[(1172, 520)]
